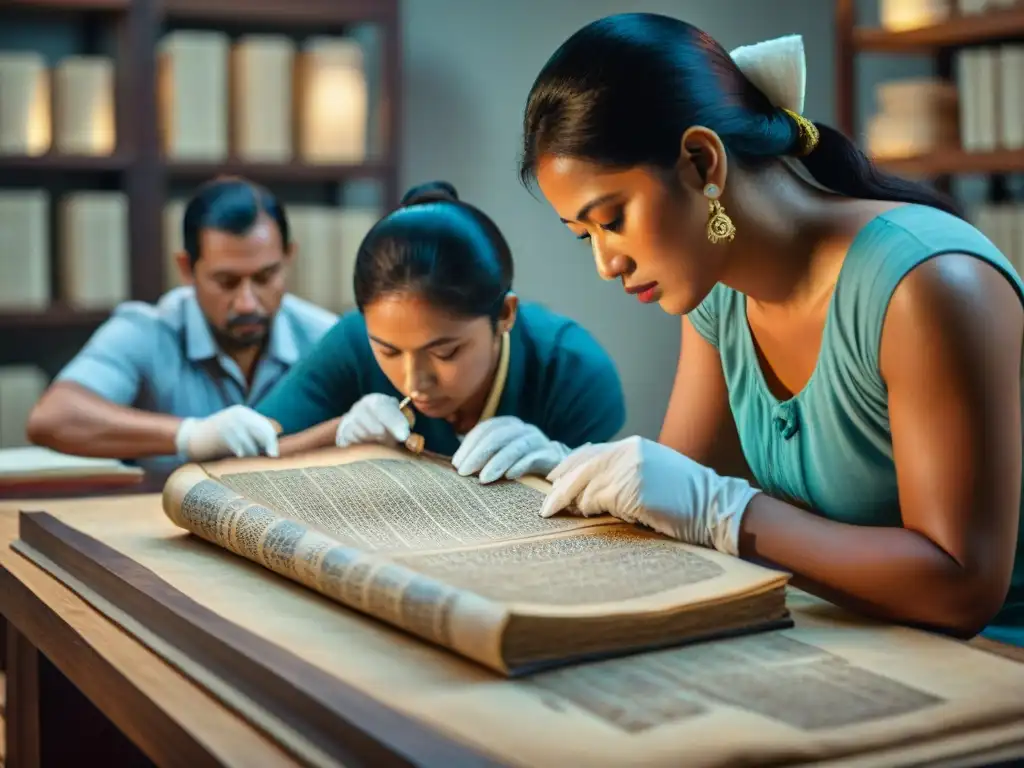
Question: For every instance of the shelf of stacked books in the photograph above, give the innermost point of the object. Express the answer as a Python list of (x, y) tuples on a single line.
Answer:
[(300, 95), (298, 104), (63, 209), (972, 123), (303, 109)]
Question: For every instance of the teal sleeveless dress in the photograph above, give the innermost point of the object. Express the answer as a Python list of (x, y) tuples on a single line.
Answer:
[(829, 448)]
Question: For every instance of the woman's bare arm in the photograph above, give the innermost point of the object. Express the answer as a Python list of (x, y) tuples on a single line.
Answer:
[(699, 423), (950, 357)]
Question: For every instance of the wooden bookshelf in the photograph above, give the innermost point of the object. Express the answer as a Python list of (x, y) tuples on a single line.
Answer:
[(140, 168), (91, 6), (286, 173), (325, 12), (54, 317), (989, 27), (956, 162), (56, 163), (939, 41)]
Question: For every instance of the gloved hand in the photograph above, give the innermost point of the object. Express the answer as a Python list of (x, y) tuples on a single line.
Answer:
[(374, 419), (234, 431), (638, 480), (507, 447)]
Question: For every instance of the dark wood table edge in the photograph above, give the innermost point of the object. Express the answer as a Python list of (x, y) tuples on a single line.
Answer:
[(339, 719), (33, 627), (56, 487)]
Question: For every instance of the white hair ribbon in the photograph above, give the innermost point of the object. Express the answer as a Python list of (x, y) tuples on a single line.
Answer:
[(779, 69)]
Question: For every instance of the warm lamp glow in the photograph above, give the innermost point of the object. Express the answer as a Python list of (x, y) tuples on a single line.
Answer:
[(899, 15), (102, 134), (40, 122), (335, 103)]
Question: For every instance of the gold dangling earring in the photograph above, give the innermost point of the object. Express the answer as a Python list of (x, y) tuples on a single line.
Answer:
[(720, 226)]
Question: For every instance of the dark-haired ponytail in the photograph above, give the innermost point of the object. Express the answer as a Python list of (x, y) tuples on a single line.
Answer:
[(837, 163), (431, 192), (667, 77), (435, 246)]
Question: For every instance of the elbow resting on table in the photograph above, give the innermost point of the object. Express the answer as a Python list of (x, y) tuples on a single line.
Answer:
[(44, 422), (55, 420), (964, 609)]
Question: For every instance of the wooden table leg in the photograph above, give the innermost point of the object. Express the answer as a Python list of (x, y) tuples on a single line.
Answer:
[(49, 722), (22, 706), (3, 643)]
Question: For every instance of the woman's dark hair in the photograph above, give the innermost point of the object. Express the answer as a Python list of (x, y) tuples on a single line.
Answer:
[(434, 245), (232, 205), (622, 91)]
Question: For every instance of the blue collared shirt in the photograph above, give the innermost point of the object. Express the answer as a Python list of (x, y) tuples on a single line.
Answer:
[(163, 358)]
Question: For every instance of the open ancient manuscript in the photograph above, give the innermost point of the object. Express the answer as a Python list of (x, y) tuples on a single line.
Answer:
[(470, 567)]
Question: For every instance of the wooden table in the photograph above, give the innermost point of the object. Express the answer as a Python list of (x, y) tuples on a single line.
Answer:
[(63, 489), (80, 691)]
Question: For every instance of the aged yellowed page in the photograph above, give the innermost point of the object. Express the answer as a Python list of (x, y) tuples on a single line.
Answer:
[(604, 571), (441, 524), (490, 541), (391, 500), (834, 687)]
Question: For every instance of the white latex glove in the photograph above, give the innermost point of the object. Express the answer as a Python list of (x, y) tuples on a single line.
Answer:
[(374, 419), (234, 431), (638, 480), (507, 447)]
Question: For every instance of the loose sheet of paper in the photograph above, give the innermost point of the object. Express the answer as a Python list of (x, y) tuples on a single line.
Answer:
[(832, 686)]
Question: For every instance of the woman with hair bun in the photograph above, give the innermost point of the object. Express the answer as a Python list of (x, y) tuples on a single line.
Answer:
[(506, 388), (847, 404)]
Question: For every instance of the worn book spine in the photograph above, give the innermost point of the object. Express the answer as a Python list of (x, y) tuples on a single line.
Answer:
[(193, 95), (327, 240), (174, 212), (430, 609), (915, 116), (93, 265), (25, 104), (261, 98), (1003, 224), (21, 386), (24, 233), (354, 223), (84, 122), (315, 274), (1011, 96)]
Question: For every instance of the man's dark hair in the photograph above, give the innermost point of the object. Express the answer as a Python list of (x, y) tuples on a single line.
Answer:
[(231, 205)]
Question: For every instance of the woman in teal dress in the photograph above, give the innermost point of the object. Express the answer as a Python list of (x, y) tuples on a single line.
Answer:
[(847, 402)]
